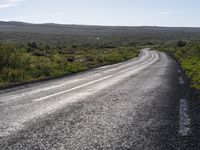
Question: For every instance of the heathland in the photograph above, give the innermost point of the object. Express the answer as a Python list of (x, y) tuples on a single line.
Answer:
[(30, 52)]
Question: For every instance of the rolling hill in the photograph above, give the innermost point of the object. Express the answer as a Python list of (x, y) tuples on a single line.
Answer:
[(54, 33)]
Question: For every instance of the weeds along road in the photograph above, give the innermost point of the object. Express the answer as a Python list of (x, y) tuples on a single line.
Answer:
[(138, 104)]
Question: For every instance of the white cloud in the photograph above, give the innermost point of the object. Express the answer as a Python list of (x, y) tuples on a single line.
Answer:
[(9, 3), (35, 16), (164, 12), (6, 5), (173, 11)]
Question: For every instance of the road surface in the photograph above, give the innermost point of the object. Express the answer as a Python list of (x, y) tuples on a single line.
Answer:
[(141, 104)]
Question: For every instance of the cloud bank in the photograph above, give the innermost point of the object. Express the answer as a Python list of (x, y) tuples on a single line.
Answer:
[(9, 3)]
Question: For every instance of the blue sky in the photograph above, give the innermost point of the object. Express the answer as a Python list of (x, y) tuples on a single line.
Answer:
[(103, 12)]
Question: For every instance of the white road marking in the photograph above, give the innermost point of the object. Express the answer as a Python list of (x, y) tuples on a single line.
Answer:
[(144, 57), (50, 87), (89, 83), (184, 119), (116, 68), (181, 81), (179, 71), (69, 90), (104, 67), (138, 64)]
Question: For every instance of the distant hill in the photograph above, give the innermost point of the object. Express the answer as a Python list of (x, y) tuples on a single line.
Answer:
[(26, 32)]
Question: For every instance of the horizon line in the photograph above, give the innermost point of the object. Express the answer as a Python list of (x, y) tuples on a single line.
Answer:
[(102, 25)]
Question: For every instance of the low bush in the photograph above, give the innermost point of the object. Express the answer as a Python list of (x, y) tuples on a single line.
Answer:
[(34, 61), (188, 54)]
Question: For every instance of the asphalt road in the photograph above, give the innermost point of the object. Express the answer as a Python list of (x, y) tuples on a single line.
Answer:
[(141, 104)]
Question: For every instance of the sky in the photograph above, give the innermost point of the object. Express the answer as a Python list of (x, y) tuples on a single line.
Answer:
[(179, 13)]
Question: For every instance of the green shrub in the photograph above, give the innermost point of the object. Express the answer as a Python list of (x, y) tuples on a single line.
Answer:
[(22, 63), (189, 58)]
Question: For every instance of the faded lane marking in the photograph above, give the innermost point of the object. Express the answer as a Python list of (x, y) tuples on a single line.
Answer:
[(89, 83), (104, 67), (50, 87), (181, 81), (138, 64), (184, 119), (179, 71), (75, 88), (142, 58)]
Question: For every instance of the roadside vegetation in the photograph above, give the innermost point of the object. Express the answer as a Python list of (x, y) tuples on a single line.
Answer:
[(30, 52), (32, 61), (188, 54)]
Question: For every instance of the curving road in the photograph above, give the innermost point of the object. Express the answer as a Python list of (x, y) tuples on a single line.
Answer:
[(139, 104)]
